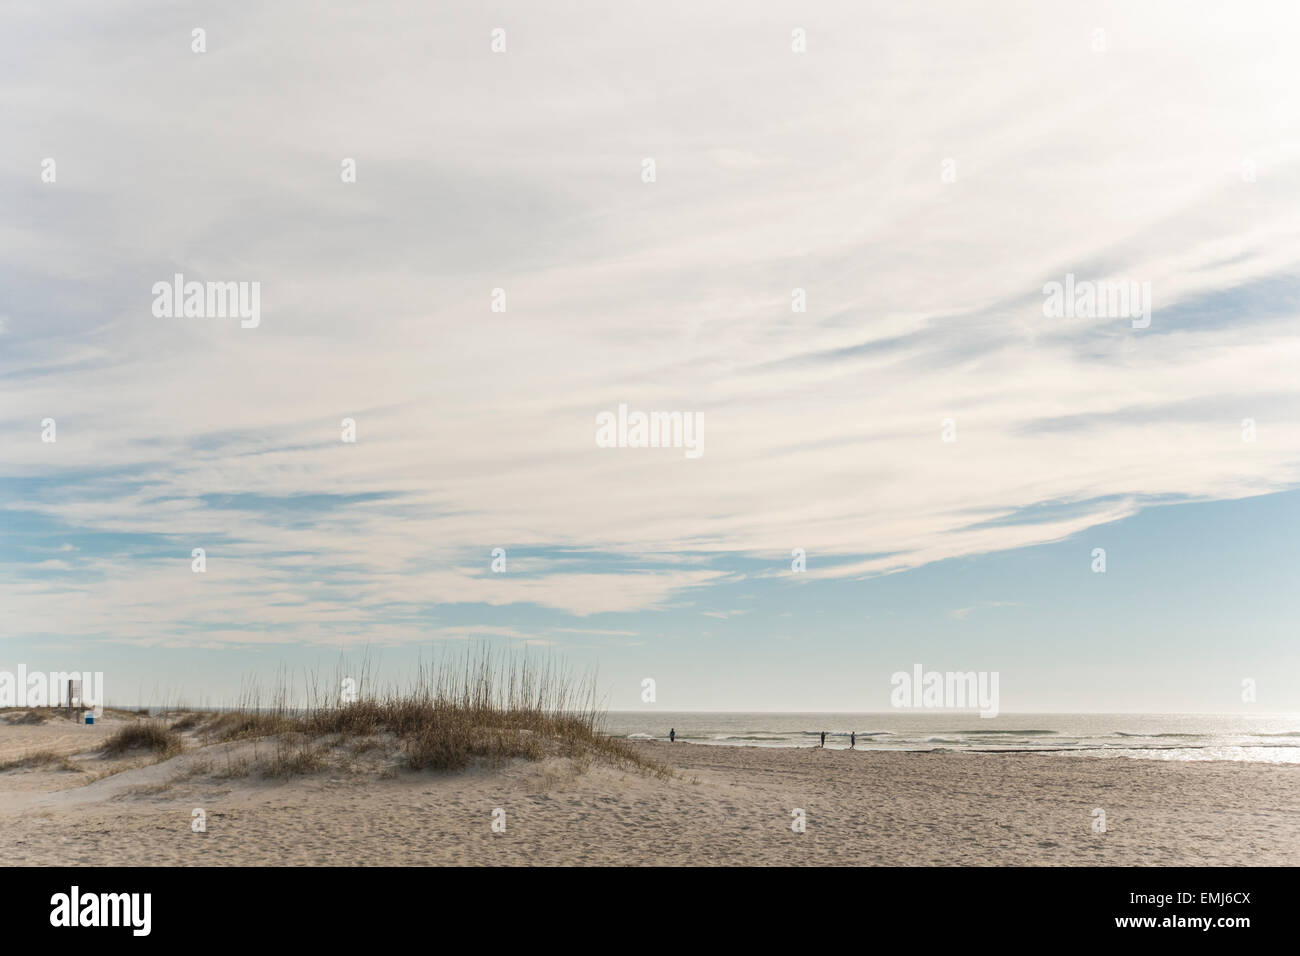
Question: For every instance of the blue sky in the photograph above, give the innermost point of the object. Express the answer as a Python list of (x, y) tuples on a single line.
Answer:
[(1195, 598), (917, 196)]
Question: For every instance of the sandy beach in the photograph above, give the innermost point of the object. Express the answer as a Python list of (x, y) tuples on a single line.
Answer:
[(720, 805)]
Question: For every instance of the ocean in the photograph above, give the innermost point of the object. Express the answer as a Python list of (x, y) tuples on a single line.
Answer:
[(1265, 739)]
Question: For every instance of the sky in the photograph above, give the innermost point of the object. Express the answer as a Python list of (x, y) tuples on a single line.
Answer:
[(945, 453)]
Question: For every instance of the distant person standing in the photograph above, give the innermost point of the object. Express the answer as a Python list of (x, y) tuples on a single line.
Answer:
[(823, 740), (853, 740), (672, 735)]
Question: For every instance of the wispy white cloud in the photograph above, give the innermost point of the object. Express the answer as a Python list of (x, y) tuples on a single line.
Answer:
[(776, 171), (962, 613)]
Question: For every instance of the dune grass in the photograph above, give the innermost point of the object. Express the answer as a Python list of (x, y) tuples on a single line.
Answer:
[(153, 735), (478, 707), (39, 758), (187, 721)]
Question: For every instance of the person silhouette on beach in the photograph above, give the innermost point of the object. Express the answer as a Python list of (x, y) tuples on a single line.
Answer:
[(672, 735), (823, 740), (853, 740)]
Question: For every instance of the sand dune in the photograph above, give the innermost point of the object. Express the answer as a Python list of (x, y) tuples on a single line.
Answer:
[(723, 805)]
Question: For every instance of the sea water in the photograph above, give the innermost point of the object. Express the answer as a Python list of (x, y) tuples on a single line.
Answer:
[(1268, 739)]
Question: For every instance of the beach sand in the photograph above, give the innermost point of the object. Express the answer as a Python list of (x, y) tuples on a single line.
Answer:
[(723, 805)]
